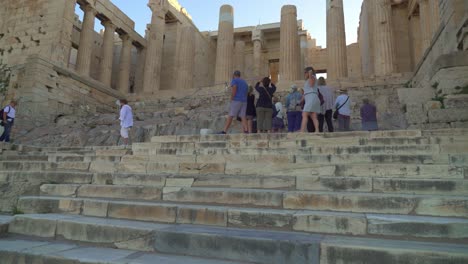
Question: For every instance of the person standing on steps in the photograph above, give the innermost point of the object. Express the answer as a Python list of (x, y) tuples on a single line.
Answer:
[(251, 111), (369, 116), (126, 120), (266, 89), (312, 105), (327, 107), (293, 105), (8, 119), (343, 109), (238, 106), (278, 121)]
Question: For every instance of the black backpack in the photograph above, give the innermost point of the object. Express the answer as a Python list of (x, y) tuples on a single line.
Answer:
[(3, 110)]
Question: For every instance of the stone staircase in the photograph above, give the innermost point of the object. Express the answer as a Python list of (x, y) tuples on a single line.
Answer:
[(357, 197)]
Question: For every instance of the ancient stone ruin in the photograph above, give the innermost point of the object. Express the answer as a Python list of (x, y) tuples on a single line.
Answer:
[(70, 194)]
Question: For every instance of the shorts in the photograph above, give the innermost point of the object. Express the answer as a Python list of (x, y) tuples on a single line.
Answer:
[(124, 131), (237, 108)]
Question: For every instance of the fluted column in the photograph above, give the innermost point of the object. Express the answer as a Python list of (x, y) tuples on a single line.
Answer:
[(383, 38), (125, 64), (435, 16), (239, 56), (224, 52), (185, 59), (336, 41), (289, 45), (304, 50), (425, 17), (155, 42), (105, 75), (85, 48), (257, 52)]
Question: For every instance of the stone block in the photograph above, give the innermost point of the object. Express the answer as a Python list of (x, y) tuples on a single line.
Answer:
[(143, 212), (421, 186), (139, 179), (443, 206), (317, 183), (179, 182), (33, 227), (330, 222), (95, 208), (120, 192), (447, 115), (197, 215), (131, 167), (261, 218), (163, 167), (246, 182), (67, 190), (350, 202)]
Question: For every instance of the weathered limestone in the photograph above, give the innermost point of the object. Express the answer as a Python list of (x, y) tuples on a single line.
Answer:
[(383, 38), (426, 23), (155, 38), (239, 56), (224, 54), (125, 64), (304, 49), (257, 39), (336, 40), (83, 64), (435, 16), (185, 58), (289, 45), (107, 53)]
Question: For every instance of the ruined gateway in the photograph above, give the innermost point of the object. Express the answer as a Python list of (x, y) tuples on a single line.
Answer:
[(69, 194)]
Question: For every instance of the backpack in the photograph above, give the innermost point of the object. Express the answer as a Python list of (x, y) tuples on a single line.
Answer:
[(275, 111), (320, 96), (294, 104), (3, 110)]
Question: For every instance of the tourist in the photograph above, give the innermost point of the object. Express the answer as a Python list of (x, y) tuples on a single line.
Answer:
[(266, 89), (312, 102), (327, 107), (8, 119), (278, 120), (251, 112), (369, 116), (126, 120), (293, 106), (238, 106), (343, 108)]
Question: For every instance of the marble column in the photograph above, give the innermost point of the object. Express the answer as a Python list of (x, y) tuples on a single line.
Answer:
[(224, 54), (125, 64), (154, 49), (435, 16), (257, 37), (304, 50), (105, 75), (336, 41), (425, 17), (185, 59), (85, 48), (384, 48), (289, 45), (239, 56)]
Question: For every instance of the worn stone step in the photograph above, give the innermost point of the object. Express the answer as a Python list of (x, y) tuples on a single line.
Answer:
[(103, 191), (456, 206), (43, 166), (235, 244), (21, 250), (290, 169), (46, 177), (311, 183), (23, 158), (4, 223), (286, 220)]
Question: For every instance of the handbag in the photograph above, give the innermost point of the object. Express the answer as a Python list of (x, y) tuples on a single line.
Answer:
[(337, 112), (320, 96)]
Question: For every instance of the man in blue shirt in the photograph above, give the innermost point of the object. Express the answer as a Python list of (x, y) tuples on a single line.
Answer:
[(238, 106)]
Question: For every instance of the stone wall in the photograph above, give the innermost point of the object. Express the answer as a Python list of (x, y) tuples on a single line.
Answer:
[(354, 61)]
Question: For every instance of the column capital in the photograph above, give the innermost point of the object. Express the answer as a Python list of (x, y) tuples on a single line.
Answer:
[(89, 9), (257, 35), (125, 37), (108, 25), (158, 7)]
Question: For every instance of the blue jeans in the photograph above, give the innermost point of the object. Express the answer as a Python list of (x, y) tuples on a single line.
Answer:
[(6, 133), (294, 121)]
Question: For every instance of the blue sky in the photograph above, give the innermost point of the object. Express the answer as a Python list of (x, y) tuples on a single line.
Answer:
[(205, 14)]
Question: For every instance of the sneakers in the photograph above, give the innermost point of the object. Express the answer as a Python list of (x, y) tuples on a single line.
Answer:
[(222, 133)]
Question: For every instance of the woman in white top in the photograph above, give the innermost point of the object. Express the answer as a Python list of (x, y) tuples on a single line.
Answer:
[(312, 102), (126, 120), (278, 120)]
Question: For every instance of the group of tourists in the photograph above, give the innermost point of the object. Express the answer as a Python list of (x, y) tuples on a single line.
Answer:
[(307, 109)]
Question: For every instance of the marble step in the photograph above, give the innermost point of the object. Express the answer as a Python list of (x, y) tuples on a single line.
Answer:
[(308, 183), (4, 223), (33, 250), (245, 245), (46, 177), (291, 169), (360, 224), (431, 205), (295, 159)]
